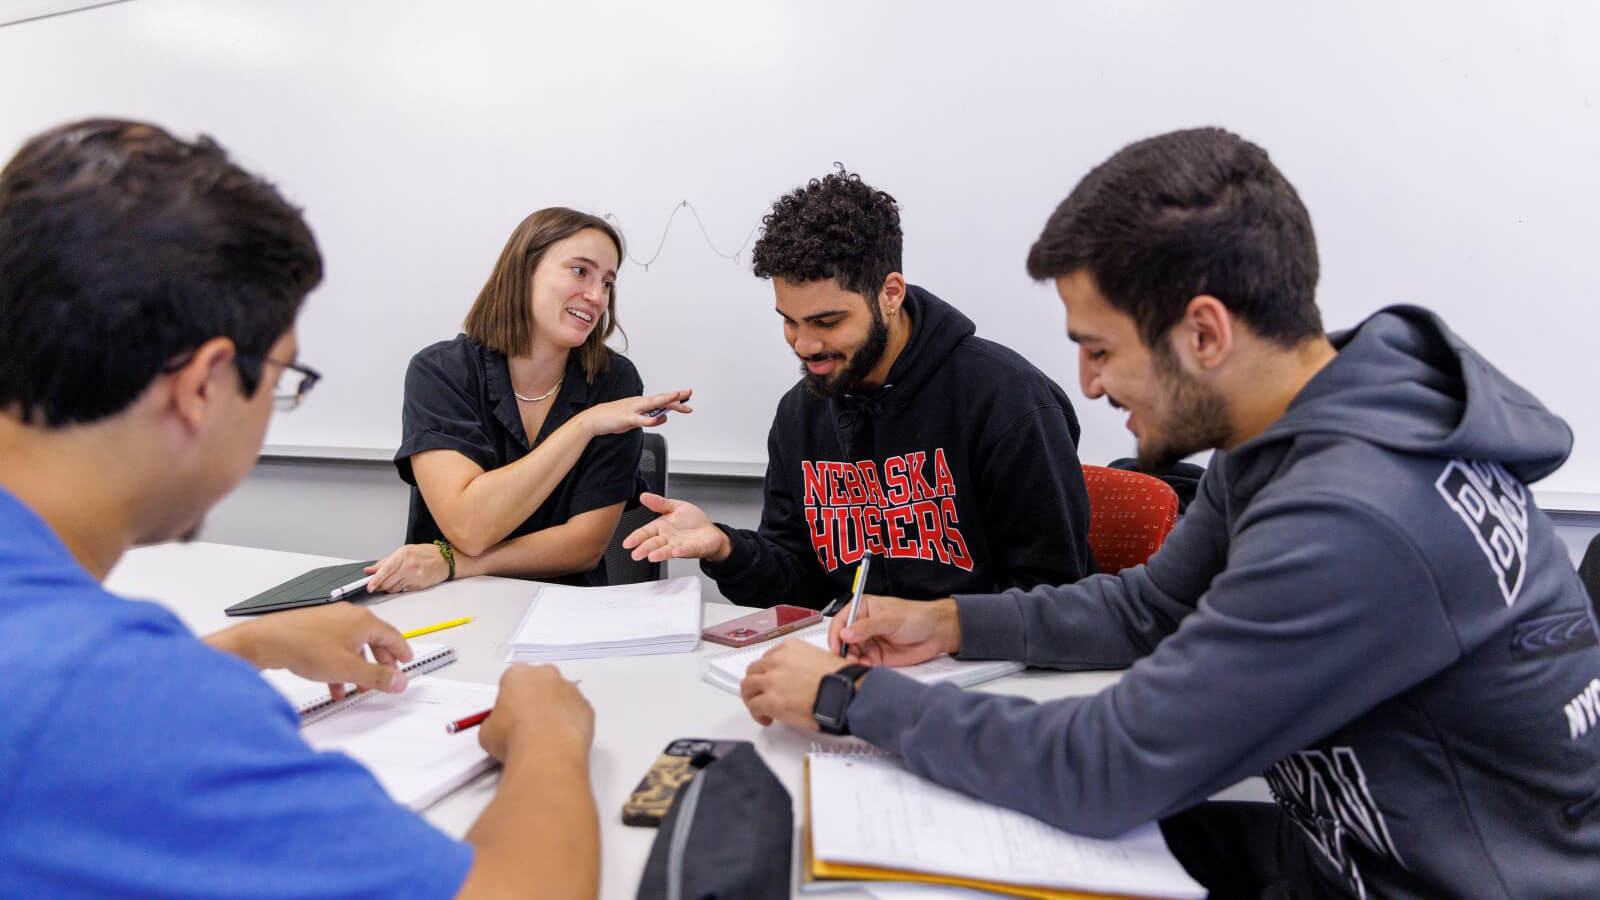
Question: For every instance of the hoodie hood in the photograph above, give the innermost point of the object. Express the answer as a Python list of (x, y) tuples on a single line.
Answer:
[(1404, 381), (936, 329)]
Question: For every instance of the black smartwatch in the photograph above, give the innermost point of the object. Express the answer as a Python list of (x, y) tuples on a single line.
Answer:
[(833, 699)]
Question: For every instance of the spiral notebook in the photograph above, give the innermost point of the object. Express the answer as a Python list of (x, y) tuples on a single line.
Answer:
[(312, 700), (726, 670), (868, 819), (400, 738)]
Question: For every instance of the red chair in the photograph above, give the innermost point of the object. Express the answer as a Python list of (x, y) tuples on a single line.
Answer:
[(1130, 514)]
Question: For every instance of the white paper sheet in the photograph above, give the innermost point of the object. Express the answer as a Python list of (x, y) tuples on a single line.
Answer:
[(401, 738)]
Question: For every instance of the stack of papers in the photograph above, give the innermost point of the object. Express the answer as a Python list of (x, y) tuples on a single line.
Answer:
[(620, 620), (726, 670)]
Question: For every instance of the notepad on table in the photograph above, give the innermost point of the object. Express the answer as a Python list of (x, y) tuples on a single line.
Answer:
[(400, 738), (726, 670), (868, 819), (620, 620)]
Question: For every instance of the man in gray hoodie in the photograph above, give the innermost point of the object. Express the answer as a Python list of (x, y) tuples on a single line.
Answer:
[(1363, 602)]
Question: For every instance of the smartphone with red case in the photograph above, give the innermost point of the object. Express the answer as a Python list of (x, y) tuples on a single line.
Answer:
[(761, 626)]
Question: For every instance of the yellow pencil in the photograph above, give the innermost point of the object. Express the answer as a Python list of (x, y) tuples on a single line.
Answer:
[(439, 627)]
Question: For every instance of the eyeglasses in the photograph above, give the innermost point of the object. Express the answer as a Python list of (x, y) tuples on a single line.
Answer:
[(288, 399), (283, 400)]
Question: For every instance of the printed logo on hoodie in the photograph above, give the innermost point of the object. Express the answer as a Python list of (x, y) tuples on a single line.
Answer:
[(1583, 711), (1326, 794), (909, 512), (1495, 507)]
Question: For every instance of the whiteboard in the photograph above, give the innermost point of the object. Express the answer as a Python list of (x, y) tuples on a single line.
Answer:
[(1449, 154)]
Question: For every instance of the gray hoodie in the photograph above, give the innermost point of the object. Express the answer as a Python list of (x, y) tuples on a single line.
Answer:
[(1363, 604)]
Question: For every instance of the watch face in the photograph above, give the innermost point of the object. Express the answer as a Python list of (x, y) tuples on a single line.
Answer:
[(833, 693)]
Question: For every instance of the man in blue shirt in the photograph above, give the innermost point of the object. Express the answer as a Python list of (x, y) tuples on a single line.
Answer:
[(148, 292)]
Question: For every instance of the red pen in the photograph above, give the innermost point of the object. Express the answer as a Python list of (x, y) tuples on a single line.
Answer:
[(471, 721)]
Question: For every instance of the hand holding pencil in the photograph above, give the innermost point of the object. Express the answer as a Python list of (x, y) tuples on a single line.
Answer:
[(890, 631), (856, 590)]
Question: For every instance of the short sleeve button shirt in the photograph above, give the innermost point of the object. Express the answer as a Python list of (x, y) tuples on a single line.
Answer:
[(458, 397)]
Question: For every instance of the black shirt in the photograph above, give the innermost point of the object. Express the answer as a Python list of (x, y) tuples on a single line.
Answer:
[(459, 397)]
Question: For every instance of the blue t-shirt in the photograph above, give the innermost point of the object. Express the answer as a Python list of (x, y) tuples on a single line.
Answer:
[(137, 761)]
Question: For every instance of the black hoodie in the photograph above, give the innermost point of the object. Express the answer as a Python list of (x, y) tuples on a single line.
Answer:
[(960, 474)]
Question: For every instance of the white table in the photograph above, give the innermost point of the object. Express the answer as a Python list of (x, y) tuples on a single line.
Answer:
[(641, 703)]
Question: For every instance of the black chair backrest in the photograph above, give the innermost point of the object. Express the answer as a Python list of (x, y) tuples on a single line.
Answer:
[(1589, 573), (620, 568)]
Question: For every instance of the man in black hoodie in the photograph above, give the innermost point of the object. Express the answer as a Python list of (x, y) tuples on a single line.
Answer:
[(949, 458)]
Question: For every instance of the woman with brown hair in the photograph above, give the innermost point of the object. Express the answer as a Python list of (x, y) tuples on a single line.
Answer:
[(520, 437)]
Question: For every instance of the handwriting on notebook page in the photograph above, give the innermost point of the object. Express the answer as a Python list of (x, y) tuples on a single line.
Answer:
[(869, 810)]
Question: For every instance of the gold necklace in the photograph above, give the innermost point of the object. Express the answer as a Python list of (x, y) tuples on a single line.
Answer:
[(543, 396)]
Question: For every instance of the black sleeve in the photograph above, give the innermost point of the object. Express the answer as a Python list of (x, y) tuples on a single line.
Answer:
[(442, 411), (774, 564), (1034, 502), (1589, 572), (608, 470)]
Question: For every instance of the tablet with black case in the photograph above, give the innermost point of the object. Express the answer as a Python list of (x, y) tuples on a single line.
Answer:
[(310, 589)]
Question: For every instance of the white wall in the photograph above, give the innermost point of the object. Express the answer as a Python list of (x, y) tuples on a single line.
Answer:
[(1446, 151)]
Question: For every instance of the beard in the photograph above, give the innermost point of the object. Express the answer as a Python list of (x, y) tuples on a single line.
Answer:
[(1197, 419), (859, 364)]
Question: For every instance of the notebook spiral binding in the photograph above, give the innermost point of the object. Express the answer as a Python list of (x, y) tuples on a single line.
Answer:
[(327, 706)]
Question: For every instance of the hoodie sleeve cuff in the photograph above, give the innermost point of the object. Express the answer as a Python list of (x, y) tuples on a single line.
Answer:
[(991, 627), (885, 707), (741, 556)]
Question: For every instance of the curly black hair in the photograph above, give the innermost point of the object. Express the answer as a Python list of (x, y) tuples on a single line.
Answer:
[(836, 226)]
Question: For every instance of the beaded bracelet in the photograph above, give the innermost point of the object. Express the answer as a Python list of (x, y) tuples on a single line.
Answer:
[(449, 554)]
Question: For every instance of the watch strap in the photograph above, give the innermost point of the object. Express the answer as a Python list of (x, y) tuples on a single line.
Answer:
[(852, 672)]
